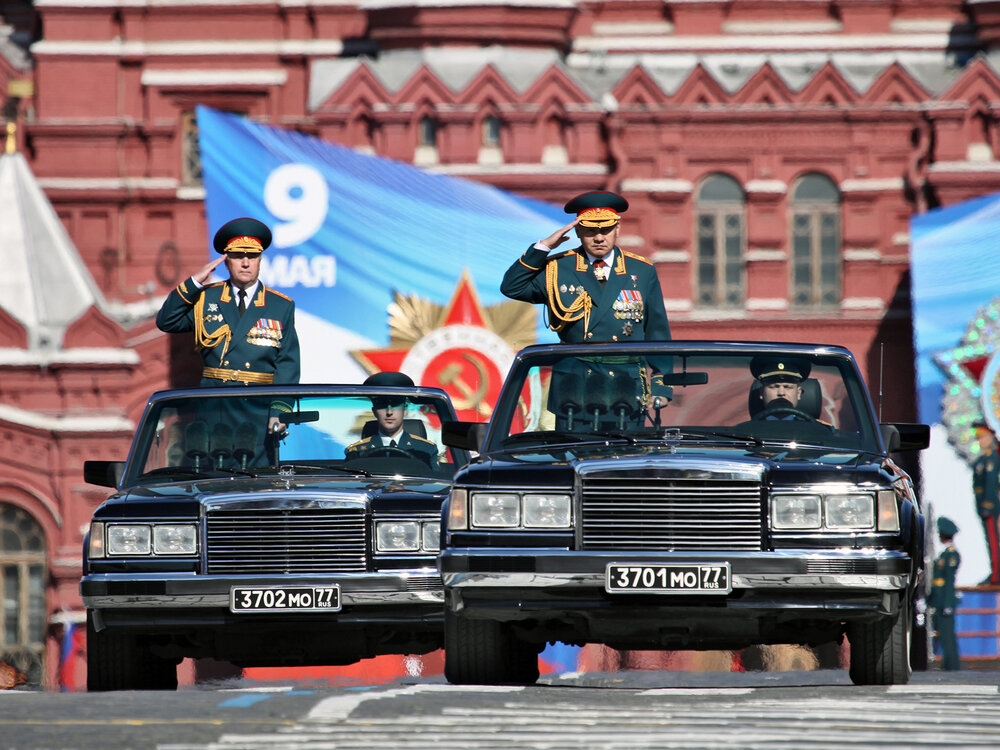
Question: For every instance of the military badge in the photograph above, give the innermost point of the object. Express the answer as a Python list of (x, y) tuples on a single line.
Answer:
[(266, 332)]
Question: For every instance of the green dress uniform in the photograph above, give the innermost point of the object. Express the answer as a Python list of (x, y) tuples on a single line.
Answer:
[(418, 447), (259, 347), (986, 487), (944, 599), (627, 307)]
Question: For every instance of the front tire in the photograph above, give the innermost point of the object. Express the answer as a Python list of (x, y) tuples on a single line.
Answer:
[(120, 661), (482, 652), (880, 650)]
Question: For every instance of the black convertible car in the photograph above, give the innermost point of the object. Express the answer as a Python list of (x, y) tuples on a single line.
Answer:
[(267, 526), (661, 495)]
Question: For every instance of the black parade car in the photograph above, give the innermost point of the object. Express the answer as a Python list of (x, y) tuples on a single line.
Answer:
[(267, 526), (681, 495)]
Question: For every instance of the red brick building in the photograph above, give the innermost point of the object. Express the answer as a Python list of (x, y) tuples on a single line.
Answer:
[(772, 151)]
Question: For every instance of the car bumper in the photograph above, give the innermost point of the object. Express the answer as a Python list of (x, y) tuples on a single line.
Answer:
[(110, 591)]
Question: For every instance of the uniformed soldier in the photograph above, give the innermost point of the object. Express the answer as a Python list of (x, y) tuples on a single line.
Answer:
[(780, 387), (596, 292), (943, 598), (244, 330), (986, 487), (390, 437)]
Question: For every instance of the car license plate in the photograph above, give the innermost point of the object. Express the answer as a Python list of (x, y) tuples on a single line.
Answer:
[(683, 578), (284, 599)]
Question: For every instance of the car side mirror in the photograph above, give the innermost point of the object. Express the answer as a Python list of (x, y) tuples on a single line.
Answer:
[(468, 435), (904, 436), (103, 473)]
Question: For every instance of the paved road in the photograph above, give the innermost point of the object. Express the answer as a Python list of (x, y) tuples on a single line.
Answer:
[(608, 711)]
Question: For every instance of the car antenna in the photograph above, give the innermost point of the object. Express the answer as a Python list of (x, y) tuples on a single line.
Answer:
[(881, 353)]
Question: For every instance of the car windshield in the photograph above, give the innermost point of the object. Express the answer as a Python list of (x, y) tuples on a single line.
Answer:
[(221, 434), (764, 397)]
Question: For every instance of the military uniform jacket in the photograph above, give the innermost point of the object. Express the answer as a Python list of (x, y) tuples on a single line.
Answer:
[(628, 307), (417, 447), (986, 484), (262, 340), (943, 594)]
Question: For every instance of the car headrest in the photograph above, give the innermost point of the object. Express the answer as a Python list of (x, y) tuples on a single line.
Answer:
[(413, 426), (811, 402)]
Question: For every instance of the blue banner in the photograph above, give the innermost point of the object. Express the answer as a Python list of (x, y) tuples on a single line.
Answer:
[(350, 229)]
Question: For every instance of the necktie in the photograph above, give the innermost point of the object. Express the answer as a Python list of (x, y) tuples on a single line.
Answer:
[(243, 301), (599, 272), (392, 443)]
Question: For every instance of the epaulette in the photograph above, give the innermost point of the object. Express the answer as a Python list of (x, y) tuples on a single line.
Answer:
[(627, 254), (422, 440), (279, 294), (360, 442), (215, 284)]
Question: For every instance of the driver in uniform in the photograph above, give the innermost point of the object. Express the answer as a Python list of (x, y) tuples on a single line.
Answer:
[(390, 437), (781, 386)]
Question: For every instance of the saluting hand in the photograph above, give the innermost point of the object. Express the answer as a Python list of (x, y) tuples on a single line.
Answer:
[(555, 239), (205, 273)]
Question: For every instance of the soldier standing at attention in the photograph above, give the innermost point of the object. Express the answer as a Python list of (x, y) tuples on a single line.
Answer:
[(943, 598), (595, 292), (244, 330), (986, 487)]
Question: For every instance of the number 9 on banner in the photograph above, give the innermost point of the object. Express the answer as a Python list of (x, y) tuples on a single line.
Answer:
[(297, 194)]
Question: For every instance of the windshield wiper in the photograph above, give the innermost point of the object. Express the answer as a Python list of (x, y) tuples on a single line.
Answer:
[(678, 433), (316, 467), (189, 472)]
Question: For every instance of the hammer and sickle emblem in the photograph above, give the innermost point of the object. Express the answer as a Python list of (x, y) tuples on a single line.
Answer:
[(470, 398)]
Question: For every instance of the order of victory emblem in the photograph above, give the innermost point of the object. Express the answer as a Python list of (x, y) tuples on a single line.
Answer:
[(461, 347)]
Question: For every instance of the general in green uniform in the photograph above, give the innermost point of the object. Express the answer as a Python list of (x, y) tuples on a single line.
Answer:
[(596, 292), (392, 434), (244, 331), (943, 598)]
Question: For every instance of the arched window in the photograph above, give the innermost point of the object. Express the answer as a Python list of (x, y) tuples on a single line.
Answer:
[(426, 152), (22, 591), (428, 131), (720, 242), (816, 252), (491, 131)]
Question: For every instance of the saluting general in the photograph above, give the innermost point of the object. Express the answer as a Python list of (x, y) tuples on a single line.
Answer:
[(597, 291), (244, 330)]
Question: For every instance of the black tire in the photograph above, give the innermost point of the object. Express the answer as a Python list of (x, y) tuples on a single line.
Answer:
[(119, 661), (481, 652), (880, 650)]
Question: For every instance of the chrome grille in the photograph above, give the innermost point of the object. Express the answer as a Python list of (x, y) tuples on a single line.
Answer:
[(859, 567), (657, 513), (300, 540)]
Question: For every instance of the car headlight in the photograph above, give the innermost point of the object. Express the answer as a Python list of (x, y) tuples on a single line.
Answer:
[(496, 510), (397, 536), (432, 536), (796, 512), (850, 512), (175, 539), (129, 539), (546, 511)]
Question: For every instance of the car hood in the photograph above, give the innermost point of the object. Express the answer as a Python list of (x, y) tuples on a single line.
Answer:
[(177, 498), (781, 464)]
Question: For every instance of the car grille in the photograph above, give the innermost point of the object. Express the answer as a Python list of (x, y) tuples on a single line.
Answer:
[(327, 540), (670, 513)]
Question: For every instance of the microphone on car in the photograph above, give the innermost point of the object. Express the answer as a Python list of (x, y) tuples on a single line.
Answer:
[(196, 441), (245, 443), (597, 395), (622, 398), (570, 396), (175, 445), (221, 445)]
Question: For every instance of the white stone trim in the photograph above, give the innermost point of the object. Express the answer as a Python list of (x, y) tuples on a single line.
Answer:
[(678, 305), (109, 183), (64, 423), (377, 4), (767, 42), (631, 240), (191, 193), (768, 304), (192, 47), (862, 303), (670, 256), (862, 254), (766, 254), (901, 238), (11, 357), (187, 3), (766, 186), (867, 184), (923, 25), (964, 166), (782, 27), (718, 314), (612, 28), (204, 77), (664, 185)]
